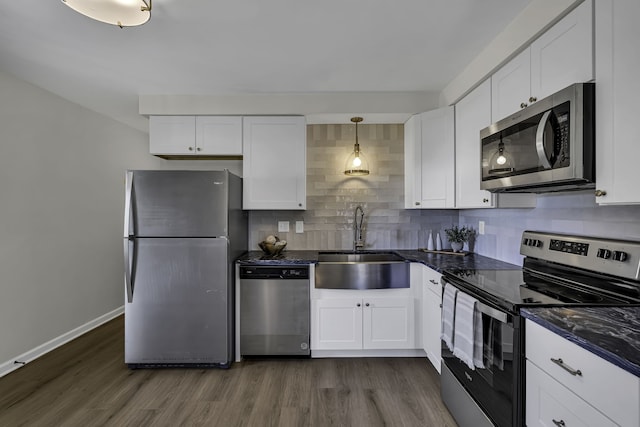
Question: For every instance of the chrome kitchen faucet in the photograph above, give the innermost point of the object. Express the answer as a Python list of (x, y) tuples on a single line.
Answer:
[(358, 241)]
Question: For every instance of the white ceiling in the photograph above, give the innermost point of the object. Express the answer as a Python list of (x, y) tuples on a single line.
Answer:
[(221, 47)]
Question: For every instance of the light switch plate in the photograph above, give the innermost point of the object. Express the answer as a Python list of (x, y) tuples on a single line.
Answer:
[(283, 226), (299, 226), (481, 227)]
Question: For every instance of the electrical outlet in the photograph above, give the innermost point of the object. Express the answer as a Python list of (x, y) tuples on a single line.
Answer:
[(481, 227), (299, 226), (283, 226)]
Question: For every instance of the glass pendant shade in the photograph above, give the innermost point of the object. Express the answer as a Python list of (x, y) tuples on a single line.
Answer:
[(501, 161), (356, 164), (123, 13)]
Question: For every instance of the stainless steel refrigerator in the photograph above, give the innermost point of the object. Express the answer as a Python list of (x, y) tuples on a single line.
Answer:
[(182, 231)]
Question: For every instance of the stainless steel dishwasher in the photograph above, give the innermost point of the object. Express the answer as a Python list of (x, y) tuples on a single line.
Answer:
[(274, 310)]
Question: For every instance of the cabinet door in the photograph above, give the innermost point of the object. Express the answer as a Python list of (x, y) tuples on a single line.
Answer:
[(412, 162), (388, 323), (563, 55), (336, 324), (432, 310), (617, 94), (473, 113), (511, 86), (437, 159), (549, 404), (219, 135), (274, 163), (429, 160), (172, 135)]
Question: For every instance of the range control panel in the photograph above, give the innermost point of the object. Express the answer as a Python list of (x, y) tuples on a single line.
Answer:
[(616, 257)]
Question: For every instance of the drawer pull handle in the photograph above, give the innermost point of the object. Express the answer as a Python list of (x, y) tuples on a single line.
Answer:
[(558, 423), (433, 281), (572, 371)]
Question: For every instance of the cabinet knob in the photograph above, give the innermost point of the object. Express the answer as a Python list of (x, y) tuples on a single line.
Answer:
[(433, 281), (190, 148), (533, 99), (358, 305), (558, 423), (417, 203), (485, 200), (367, 305), (522, 105), (600, 193), (198, 149)]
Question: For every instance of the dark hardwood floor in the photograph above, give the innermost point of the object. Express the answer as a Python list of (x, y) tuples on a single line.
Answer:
[(86, 383)]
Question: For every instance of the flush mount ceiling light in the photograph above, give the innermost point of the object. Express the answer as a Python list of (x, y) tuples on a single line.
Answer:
[(356, 164), (123, 13)]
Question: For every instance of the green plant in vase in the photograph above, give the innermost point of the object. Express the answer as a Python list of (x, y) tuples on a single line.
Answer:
[(457, 236)]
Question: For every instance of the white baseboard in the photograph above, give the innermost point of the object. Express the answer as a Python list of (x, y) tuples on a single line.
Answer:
[(33, 354)]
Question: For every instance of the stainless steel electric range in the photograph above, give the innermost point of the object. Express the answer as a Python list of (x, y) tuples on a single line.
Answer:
[(558, 270)]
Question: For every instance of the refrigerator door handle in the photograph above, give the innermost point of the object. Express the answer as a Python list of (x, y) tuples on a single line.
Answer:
[(127, 271), (127, 202)]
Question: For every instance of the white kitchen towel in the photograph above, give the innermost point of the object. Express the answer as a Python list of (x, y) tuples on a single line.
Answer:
[(448, 314), (467, 337)]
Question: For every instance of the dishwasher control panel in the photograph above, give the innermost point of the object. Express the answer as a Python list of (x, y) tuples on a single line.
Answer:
[(274, 272)]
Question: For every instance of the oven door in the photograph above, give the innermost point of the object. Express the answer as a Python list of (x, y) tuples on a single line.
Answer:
[(495, 388)]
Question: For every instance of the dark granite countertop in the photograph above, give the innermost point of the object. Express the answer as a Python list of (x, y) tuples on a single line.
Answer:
[(438, 262), (612, 333)]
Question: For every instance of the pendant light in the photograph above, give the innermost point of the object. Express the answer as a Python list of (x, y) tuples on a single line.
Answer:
[(123, 13), (356, 164), (501, 161)]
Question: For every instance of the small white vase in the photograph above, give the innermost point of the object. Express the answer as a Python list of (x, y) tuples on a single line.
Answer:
[(457, 246), (430, 241), (438, 242)]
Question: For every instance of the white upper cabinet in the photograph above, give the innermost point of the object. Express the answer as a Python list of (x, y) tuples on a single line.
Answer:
[(563, 55), (219, 135), (195, 135), (511, 86), (274, 163), (172, 135), (617, 94), (429, 160), (473, 113)]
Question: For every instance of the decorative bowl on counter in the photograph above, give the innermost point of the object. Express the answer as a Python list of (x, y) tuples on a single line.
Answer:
[(272, 245)]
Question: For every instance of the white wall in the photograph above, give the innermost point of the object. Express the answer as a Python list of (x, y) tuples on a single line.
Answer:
[(61, 201)]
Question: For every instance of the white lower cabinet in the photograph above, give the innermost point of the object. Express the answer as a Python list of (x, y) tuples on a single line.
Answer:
[(549, 404), (362, 323), (431, 315), (567, 385)]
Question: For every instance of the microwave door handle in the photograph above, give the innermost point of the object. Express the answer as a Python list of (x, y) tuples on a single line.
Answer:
[(542, 154)]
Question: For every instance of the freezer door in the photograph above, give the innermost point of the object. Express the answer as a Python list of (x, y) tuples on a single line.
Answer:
[(177, 203), (179, 311)]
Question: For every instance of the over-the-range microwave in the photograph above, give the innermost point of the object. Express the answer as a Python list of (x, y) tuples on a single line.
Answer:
[(548, 146)]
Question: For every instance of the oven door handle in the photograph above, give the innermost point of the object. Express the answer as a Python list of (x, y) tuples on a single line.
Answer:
[(500, 316)]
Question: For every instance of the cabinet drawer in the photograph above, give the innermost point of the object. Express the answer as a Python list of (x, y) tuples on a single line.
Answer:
[(549, 401), (607, 387), (432, 281)]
